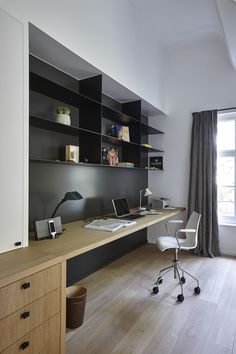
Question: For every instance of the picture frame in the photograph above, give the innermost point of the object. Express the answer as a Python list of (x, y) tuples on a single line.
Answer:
[(156, 162)]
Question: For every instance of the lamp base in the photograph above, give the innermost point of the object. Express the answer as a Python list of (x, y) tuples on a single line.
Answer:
[(141, 209)]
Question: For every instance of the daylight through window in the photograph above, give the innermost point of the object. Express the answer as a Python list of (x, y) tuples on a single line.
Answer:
[(226, 154)]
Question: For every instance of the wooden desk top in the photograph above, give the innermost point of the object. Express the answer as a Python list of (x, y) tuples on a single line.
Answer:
[(75, 240)]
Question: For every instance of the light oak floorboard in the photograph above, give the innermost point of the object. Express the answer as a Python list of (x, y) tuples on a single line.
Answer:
[(123, 317)]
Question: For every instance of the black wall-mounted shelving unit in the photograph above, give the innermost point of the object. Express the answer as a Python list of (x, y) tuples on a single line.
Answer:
[(92, 112)]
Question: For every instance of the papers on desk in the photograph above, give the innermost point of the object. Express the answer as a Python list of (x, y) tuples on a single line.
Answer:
[(150, 212), (109, 224)]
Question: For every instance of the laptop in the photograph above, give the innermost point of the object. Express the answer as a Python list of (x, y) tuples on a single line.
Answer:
[(122, 210)]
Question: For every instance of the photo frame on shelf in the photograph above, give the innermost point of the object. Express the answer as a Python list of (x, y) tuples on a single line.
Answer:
[(125, 133), (156, 162), (72, 153)]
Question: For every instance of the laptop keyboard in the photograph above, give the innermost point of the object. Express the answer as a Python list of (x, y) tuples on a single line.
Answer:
[(132, 217)]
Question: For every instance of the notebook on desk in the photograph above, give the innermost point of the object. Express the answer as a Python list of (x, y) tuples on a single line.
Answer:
[(122, 211), (109, 224)]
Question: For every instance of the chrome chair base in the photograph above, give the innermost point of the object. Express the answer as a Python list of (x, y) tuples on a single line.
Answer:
[(177, 270)]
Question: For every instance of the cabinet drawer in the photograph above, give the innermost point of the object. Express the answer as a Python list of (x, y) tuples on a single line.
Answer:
[(21, 293), (29, 317), (44, 339)]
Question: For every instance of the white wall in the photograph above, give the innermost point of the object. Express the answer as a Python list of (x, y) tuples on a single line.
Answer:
[(201, 77), (107, 33)]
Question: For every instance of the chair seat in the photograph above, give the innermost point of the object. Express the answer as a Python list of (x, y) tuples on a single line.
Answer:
[(166, 242)]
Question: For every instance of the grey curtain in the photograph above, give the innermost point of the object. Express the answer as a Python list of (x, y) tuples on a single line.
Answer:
[(202, 186)]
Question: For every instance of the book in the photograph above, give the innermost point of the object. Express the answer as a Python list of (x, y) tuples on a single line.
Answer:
[(126, 164), (125, 133), (109, 224)]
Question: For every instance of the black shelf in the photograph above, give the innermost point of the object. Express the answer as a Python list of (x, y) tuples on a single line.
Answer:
[(150, 149), (47, 124), (58, 162), (146, 129), (116, 116), (54, 90), (112, 140)]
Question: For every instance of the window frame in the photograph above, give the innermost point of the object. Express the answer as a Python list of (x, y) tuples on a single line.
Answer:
[(228, 116)]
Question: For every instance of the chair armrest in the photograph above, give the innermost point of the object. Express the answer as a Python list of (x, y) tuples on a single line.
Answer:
[(175, 221), (187, 230)]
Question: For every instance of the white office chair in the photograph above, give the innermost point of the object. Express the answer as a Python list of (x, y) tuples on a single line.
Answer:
[(176, 243)]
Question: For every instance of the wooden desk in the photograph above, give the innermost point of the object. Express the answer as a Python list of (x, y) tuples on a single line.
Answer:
[(41, 256)]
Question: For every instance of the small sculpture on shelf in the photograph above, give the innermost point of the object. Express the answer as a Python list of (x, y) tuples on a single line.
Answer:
[(63, 115), (112, 156)]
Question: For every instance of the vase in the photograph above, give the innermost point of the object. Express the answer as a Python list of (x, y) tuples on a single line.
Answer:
[(63, 119)]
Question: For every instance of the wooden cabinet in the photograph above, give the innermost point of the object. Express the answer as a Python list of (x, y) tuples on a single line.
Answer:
[(93, 115), (30, 313), (27, 290), (13, 141), (43, 340)]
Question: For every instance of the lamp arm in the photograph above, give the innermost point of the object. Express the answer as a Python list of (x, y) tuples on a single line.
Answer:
[(53, 214), (140, 199)]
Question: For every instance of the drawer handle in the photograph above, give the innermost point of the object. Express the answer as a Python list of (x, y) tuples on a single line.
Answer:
[(25, 314), (25, 285), (18, 243), (24, 345)]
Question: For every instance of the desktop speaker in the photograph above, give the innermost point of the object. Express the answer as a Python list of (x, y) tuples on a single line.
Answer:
[(42, 230)]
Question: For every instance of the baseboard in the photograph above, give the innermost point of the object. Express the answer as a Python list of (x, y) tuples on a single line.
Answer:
[(227, 253)]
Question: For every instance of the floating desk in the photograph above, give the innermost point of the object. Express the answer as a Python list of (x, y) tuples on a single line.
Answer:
[(44, 259)]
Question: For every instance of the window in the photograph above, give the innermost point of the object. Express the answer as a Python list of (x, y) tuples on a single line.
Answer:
[(226, 157)]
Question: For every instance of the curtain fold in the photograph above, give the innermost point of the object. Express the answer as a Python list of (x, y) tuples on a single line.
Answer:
[(202, 186)]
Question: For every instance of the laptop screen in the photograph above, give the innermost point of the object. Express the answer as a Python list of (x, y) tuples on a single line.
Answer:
[(121, 206)]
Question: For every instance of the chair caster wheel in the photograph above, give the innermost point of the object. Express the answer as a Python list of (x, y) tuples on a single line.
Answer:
[(159, 280), (180, 297), (183, 280), (197, 290), (155, 290)]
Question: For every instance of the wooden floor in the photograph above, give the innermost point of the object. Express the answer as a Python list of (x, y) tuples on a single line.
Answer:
[(122, 316)]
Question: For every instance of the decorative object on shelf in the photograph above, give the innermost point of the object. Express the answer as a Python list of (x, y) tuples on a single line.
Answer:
[(72, 153), (125, 133), (115, 130), (126, 164), (112, 156), (63, 115), (68, 196), (147, 145), (104, 156), (145, 194), (156, 162)]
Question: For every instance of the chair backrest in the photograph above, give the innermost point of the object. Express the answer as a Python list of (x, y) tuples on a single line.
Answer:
[(191, 237)]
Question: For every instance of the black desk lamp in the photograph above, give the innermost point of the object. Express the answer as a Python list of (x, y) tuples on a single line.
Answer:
[(68, 196)]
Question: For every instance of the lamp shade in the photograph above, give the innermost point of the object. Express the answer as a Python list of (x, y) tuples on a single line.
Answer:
[(147, 192), (72, 196), (68, 196)]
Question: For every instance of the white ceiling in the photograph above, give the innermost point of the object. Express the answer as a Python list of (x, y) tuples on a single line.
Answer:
[(177, 23)]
